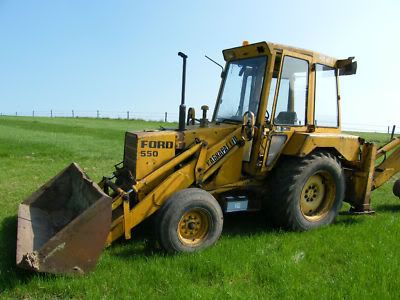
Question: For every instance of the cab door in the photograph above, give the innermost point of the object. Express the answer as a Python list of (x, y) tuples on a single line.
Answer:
[(287, 105)]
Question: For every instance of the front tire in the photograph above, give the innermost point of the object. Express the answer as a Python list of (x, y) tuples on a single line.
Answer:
[(189, 221), (307, 192)]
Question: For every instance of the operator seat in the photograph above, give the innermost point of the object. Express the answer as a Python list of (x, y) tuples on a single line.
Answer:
[(286, 118)]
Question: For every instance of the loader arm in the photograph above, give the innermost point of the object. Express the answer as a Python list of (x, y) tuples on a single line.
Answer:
[(201, 163)]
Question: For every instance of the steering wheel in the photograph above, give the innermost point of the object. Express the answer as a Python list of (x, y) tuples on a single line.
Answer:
[(248, 125)]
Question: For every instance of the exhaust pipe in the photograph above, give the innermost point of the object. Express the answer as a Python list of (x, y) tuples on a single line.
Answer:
[(182, 107)]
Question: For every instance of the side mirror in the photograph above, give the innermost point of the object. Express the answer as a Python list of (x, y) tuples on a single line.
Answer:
[(349, 69), (346, 66)]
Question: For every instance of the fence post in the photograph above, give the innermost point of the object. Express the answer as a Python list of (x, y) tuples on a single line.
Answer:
[(166, 117), (393, 130), (127, 115)]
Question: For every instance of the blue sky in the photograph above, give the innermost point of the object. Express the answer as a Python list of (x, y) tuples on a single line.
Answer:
[(122, 55)]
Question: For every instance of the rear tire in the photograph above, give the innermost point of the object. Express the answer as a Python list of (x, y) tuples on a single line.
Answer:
[(307, 192), (189, 221), (396, 188)]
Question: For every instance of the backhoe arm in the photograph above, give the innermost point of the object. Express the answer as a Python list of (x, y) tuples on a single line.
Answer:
[(371, 175), (390, 165)]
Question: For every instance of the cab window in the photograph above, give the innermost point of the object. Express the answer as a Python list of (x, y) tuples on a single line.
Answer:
[(274, 80), (326, 100), (242, 88), (292, 94)]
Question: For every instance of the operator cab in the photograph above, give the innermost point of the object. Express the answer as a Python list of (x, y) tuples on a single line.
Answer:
[(276, 91), (299, 78)]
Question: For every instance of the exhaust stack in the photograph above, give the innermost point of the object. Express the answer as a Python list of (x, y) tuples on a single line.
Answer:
[(182, 107)]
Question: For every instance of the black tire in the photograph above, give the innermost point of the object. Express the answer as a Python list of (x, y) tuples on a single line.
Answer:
[(307, 192), (189, 209), (396, 188)]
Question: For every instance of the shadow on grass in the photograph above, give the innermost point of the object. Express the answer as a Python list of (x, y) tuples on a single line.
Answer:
[(388, 208), (246, 223), (144, 241), (142, 245), (348, 220), (10, 275)]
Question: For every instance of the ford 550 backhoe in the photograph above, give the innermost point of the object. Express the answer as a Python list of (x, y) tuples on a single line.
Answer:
[(274, 142)]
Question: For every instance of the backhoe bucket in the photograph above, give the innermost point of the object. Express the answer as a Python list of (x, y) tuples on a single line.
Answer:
[(63, 226)]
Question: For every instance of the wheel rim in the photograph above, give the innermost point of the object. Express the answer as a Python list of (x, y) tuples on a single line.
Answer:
[(193, 227), (317, 196)]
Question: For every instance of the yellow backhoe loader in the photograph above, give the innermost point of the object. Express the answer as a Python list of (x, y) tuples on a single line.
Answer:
[(274, 143)]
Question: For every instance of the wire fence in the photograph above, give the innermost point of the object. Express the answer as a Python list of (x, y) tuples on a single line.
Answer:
[(171, 117), (371, 128), (99, 114)]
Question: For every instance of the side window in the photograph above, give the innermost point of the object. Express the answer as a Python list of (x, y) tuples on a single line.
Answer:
[(326, 104), (292, 94), (271, 96), (277, 67)]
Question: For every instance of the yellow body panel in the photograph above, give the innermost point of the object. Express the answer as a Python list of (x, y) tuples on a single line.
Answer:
[(303, 143), (229, 174), (212, 134), (153, 150)]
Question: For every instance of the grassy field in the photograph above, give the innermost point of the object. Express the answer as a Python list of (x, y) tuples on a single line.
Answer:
[(356, 258)]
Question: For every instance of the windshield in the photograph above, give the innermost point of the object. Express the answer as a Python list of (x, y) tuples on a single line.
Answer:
[(242, 88)]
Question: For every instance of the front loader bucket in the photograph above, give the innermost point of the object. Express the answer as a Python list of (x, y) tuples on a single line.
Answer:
[(63, 226)]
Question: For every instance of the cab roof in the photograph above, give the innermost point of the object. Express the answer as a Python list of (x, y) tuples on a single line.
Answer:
[(263, 48)]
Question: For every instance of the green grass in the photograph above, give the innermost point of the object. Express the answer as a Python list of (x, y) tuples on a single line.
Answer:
[(357, 257)]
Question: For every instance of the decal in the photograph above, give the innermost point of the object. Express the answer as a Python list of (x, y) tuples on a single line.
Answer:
[(149, 153), (222, 151), (151, 147), (157, 144)]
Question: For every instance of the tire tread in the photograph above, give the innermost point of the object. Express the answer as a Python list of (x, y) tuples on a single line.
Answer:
[(283, 186)]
